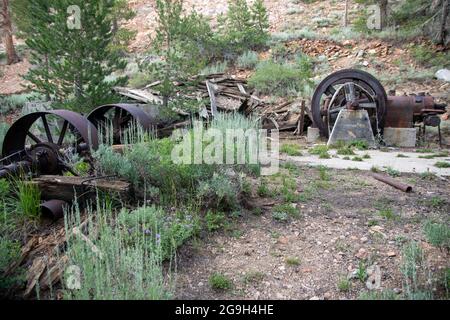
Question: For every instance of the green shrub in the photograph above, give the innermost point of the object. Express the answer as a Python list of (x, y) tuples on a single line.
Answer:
[(344, 285), (9, 253), (219, 281), (112, 266), (140, 80), (17, 101), (442, 164), (215, 68), (219, 192), (346, 151), (426, 56), (263, 189), (163, 231), (282, 212), (292, 261), (248, 60), (437, 234), (214, 220), (244, 27), (321, 151), (28, 199), (282, 79), (291, 149)]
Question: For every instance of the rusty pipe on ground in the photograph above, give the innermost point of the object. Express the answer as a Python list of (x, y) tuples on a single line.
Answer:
[(53, 209), (392, 182)]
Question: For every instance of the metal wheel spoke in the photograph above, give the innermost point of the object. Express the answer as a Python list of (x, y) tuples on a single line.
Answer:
[(350, 93), (63, 132), (33, 137), (47, 129)]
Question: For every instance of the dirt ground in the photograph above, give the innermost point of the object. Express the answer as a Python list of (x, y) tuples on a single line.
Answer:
[(339, 227)]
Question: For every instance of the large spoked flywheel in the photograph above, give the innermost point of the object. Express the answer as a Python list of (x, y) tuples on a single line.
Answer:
[(47, 143), (348, 88)]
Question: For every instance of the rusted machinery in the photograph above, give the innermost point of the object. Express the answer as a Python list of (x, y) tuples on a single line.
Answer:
[(44, 142), (356, 89)]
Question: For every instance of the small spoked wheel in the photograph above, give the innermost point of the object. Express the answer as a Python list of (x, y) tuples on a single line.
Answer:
[(113, 121), (352, 89)]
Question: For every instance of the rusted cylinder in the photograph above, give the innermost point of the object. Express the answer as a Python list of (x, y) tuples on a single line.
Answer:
[(392, 182), (53, 209)]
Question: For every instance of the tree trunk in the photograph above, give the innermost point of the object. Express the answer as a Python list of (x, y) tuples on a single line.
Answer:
[(443, 27), (346, 14), (11, 54), (383, 13)]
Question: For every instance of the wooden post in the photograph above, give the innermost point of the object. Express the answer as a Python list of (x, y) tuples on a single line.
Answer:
[(302, 118)]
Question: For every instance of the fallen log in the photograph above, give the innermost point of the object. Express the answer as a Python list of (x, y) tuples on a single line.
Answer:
[(67, 188)]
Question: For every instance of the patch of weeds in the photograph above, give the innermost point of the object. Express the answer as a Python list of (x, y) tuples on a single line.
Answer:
[(392, 172), (263, 189), (415, 273), (434, 202), (424, 151), (9, 253), (437, 234), (388, 214), (291, 167), (214, 220), (346, 158), (367, 156), (323, 173), (375, 169), (401, 155), (280, 216), (237, 234), (123, 266), (357, 159), (285, 210), (346, 151), (442, 164), (220, 282), (359, 144), (28, 199), (254, 277), (248, 60), (344, 284), (292, 261), (372, 223), (291, 149), (282, 78), (246, 187), (361, 272), (257, 212), (428, 176), (320, 150), (379, 295)]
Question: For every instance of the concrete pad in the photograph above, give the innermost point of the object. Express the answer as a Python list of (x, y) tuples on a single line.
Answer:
[(352, 125), (313, 135), (400, 137), (379, 159)]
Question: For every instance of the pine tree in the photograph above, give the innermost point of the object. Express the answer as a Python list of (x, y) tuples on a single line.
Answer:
[(71, 64), (181, 41)]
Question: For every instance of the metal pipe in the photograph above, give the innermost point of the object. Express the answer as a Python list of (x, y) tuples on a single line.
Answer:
[(392, 182), (53, 209)]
